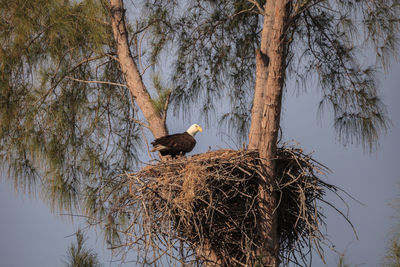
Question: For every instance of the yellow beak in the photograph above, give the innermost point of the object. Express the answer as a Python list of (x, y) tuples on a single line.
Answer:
[(199, 128)]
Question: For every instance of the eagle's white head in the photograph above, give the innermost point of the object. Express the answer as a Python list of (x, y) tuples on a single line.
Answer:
[(194, 129)]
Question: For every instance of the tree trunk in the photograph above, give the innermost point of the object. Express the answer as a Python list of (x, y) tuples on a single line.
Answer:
[(133, 78), (270, 64), (262, 61)]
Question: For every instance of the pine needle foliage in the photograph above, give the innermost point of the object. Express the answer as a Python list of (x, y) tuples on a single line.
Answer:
[(341, 44), (341, 262), (163, 95), (79, 256), (59, 127), (332, 38), (392, 255), (216, 43)]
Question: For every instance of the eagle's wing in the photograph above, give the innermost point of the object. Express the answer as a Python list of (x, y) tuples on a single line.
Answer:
[(175, 143)]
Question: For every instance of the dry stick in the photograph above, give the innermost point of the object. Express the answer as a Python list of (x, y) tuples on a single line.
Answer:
[(99, 82)]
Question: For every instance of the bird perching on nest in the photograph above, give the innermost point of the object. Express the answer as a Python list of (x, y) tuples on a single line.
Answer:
[(177, 144)]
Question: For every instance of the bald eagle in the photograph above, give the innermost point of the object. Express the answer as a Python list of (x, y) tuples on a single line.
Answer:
[(177, 144)]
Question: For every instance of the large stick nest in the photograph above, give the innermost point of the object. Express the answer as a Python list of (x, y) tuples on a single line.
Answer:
[(206, 207)]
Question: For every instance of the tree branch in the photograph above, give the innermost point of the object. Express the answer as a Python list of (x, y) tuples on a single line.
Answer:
[(130, 70), (165, 109), (260, 9), (101, 82)]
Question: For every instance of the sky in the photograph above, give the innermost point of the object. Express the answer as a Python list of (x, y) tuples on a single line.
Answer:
[(32, 236)]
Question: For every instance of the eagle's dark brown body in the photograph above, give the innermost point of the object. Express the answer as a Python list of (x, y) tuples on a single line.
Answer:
[(174, 144)]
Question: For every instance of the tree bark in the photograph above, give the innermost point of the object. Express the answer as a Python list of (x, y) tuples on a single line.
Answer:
[(262, 61), (133, 78), (270, 73)]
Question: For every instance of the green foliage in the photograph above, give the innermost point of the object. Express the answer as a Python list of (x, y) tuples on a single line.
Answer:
[(163, 94), (331, 38), (392, 255), (341, 262), (392, 258), (328, 41), (79, 256), (215, 57), (56, 126)]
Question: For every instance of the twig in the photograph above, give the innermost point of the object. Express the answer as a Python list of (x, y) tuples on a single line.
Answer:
[(100, 82), (260, 9)]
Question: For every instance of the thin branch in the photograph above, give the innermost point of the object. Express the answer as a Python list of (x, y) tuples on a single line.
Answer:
[(144, 70), (302, 8), (113, 57), (100, 82), (165, 108), (140, 52), (260, 9), (141, 123), (51, 89)]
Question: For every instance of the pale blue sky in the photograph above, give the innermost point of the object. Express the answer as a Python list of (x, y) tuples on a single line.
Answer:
[(31, 236)]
